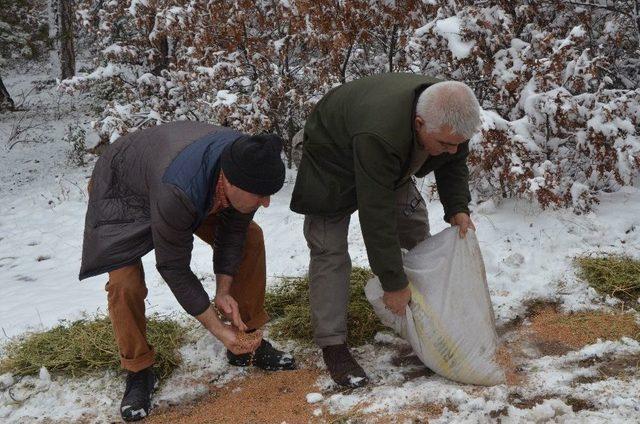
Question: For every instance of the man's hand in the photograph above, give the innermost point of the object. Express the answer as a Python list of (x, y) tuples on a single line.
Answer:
[(226, 303), (227, 334), (230, 339), (462, 220), (397, 301)]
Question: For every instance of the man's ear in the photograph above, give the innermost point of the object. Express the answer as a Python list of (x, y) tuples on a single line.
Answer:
[(419, 123)]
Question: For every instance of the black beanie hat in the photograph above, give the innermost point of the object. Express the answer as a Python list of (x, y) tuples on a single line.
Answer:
[(254, 164)]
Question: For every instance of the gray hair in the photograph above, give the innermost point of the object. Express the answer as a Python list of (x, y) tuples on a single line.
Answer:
[(449, 103)]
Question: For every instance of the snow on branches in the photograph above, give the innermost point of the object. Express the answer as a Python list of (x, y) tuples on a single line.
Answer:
[(557, 80)]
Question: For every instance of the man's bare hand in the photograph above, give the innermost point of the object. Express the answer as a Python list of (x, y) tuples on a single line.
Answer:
[(463, 221), (227, 334), (229, 307), (397, 301), (230, 338)]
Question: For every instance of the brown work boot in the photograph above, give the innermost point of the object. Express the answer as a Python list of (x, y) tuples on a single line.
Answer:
[(343, 368)]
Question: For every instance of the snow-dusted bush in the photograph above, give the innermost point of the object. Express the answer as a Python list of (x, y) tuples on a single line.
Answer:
[(23, 29), (558, 81), (76, 137), (256, 66)]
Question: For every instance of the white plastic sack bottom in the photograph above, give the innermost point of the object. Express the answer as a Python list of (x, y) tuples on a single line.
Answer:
[(449, 322)]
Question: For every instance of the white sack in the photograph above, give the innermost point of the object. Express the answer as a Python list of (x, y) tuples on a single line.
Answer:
[(449, 321)]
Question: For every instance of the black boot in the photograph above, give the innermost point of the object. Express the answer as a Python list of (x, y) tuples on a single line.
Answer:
[(136, 401), (343, 369), (266, 357)]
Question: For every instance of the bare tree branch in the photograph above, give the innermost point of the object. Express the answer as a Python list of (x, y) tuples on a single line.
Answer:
[(597, 6)]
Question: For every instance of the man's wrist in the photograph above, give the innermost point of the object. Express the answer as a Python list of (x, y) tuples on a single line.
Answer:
[(216, 326), (209, 320), (223, 284), (396, 289)]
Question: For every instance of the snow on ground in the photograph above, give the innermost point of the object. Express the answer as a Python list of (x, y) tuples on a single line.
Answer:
[(549, 378), (528, 255)]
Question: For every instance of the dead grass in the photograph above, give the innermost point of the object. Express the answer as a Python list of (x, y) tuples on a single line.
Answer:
[(86, 346), (288, 304), (614, 275)]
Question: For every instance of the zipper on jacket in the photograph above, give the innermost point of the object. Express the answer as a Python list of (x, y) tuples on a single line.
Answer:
[(113, 222)]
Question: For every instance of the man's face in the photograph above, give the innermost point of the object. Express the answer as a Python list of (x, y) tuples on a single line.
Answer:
[(243, 201), (437, 142)]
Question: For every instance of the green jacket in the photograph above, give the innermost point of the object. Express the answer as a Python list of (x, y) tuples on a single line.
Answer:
[(357, 150)]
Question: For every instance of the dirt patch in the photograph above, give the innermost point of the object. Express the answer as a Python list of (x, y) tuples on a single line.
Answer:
[(417, 373), (499, 413), (527, 403), (579, 404), (262, 397), (511, 354), (414, 414), (412, 365), (507, 359), (406, 358), (519, 402), (509, 327), (546, 331), (621, 367)]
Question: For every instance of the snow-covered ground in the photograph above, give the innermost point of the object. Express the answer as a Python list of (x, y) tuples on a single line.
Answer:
[(528, 255)]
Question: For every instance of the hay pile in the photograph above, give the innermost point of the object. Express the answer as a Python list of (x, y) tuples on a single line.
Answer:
[(88, 345), (288, 305), (615, 275)]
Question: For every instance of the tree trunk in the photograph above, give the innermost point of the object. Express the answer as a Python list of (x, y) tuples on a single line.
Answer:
[(61, 31), (67, 48), (343, 69), (6, 102), (636, 15), (392, 46), (54, 32), (163, 60)]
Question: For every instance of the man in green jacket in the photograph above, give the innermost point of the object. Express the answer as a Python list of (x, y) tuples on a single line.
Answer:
[(363, 144)]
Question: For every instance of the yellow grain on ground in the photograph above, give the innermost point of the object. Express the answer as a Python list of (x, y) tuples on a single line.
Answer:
[(261, 397), (579, 329)]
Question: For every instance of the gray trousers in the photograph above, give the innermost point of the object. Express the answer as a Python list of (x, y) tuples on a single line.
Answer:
[(330, 264)]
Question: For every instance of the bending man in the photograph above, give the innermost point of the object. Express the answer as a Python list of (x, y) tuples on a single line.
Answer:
[(155, 189), (362, 145)]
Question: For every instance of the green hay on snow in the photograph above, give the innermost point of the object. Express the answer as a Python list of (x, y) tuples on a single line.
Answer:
[(88, 345), (615, 275), (288, 305)]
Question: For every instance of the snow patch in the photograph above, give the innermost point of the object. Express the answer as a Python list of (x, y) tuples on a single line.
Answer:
[(449, 28), (314, 397)]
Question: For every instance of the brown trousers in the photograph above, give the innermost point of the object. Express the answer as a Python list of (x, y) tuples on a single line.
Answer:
[(127, 291)]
